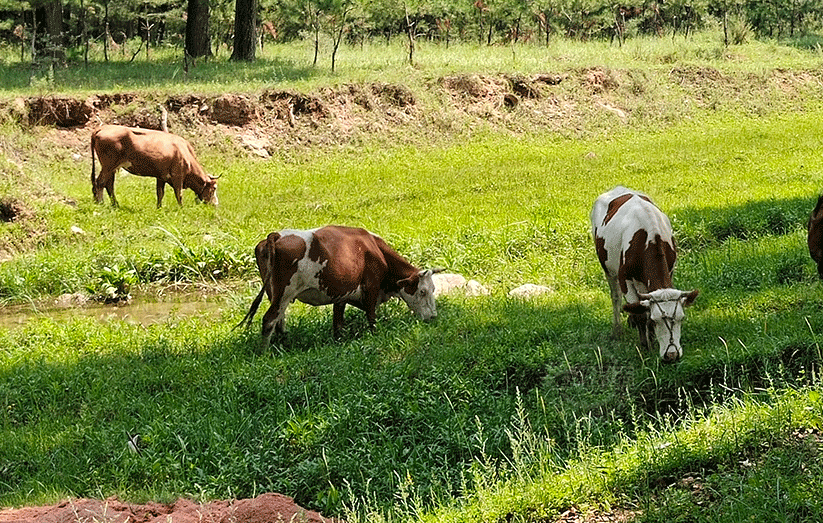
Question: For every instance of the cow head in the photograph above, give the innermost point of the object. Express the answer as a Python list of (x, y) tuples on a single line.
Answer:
[(418, 293), (665, 310), (209, 192), (815, 238)]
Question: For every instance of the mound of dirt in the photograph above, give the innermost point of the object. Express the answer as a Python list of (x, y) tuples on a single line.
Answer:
[(266, 508)]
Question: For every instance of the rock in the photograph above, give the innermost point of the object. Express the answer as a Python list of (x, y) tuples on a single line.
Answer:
[(475, 288), (70, 300), (530, 290), (447, 283)]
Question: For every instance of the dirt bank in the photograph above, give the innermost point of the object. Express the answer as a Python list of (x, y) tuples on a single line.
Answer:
[(266, 508)]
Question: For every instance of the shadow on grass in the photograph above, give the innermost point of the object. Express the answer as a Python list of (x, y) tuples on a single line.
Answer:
[(220, 418), (698, 228)]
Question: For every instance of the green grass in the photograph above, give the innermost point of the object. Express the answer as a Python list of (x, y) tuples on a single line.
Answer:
[(501, 409), (290, 65)]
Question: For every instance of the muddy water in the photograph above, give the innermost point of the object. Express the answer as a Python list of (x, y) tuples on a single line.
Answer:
[(137, 312)]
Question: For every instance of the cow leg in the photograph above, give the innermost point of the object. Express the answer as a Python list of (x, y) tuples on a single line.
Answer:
[(617, 301), (273, 321), (105, 180), (338, 319), (161, 190), (370, 302), (110, 190), (641, 322), (178, 191)]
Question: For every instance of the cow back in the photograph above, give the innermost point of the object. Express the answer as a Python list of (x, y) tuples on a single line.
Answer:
[(633, 238)]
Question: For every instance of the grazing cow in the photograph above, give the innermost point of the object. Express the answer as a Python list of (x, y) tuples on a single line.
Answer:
[(336, 265), (146, 152), (815, 239), (634, 243)]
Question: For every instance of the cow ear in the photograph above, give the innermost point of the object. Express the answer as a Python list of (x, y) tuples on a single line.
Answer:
[(689, 297), (428, 272), (638, 307), (411, 280)]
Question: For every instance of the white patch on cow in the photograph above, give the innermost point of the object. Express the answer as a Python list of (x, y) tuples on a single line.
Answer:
[(305, 284), (422, 302)]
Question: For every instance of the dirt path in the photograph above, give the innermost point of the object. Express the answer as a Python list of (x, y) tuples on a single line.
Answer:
[(266, 508)]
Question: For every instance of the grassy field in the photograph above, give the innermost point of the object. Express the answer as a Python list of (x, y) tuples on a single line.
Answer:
[(501, 409)]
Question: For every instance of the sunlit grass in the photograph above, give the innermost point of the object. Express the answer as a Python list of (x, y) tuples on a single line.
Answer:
[(291, 65)]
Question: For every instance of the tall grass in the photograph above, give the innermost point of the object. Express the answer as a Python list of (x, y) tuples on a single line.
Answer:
[(291, 65)]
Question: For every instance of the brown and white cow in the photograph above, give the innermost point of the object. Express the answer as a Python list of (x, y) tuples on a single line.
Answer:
[(336, 265), (634, 243), (815, 239), (145, 152)]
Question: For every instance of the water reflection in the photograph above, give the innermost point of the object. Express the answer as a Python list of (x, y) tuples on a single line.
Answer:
[(137, 312)]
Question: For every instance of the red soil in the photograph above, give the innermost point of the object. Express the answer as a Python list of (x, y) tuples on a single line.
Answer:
[(266, 508)]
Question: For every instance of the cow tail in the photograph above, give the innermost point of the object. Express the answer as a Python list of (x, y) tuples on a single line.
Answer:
[(93, 177), (247, 319)]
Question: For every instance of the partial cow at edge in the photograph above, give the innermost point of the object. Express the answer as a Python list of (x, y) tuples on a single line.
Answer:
[(634, 242), (815, 239), (336, 265), (146, 152)]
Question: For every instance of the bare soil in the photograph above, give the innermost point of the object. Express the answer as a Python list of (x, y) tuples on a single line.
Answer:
[(266, 508)]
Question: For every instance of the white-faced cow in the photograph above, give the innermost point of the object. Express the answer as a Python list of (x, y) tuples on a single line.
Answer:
[(634, 243), (336, 265), (815, 238), (145, 152)]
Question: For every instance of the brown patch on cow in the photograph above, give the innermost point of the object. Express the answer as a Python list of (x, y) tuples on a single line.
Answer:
[(602, 254), (332, 243), (650, 264), (615, 205)]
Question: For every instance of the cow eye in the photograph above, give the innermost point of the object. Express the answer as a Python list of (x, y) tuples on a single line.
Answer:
[(423, 292)]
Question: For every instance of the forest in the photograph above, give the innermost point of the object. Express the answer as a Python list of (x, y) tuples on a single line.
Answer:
[(61, 30)]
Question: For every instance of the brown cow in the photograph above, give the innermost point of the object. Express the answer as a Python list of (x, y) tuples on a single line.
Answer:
[(815, 239), (145, 152), (635, 246), (336, 265)]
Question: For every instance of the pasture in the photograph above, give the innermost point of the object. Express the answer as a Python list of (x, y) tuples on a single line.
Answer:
[(502, 408)]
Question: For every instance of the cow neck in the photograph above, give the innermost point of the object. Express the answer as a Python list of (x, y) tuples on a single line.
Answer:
[(398, 267), (195, 182), (657, 263)]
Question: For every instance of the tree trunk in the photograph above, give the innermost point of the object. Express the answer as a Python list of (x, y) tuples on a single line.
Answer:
[(85, 33), (107, 36), (52, 13), (245, 30), (198, 40), (410, 33)]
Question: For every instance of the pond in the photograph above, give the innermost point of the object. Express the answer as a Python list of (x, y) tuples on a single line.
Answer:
[(145, 310)]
